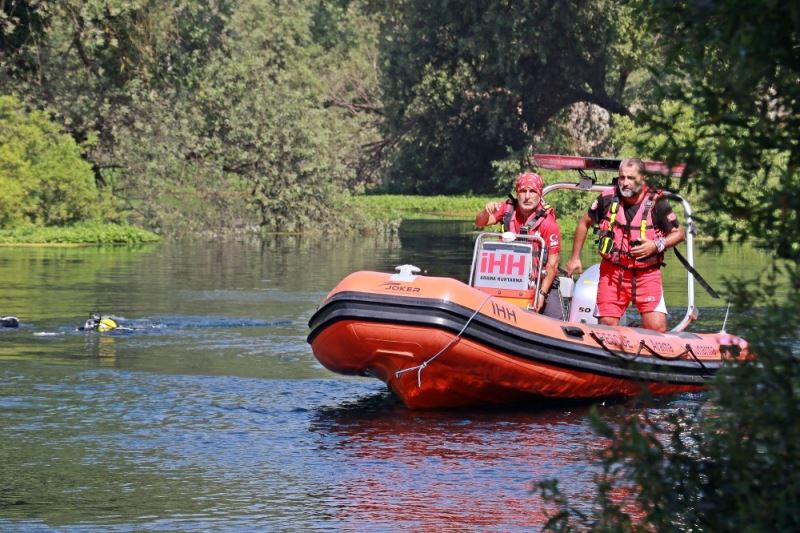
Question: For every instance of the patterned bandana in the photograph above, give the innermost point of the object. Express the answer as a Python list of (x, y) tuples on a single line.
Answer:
[(529, 180)]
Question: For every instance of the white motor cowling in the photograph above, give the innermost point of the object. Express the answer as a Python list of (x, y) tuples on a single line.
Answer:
[(584, 297)]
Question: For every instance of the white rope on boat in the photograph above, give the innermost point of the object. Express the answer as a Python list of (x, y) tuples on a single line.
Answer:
[(724, 322), (424, 365)]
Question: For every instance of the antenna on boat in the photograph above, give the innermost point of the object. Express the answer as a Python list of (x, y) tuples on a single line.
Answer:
[(724, 322)]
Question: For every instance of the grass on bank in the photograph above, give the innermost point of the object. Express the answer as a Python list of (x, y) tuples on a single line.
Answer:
[(379, 207), (79, 234), (408, 207), (398, 206)]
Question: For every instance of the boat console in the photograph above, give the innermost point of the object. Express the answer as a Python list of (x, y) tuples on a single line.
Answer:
[(503, 266)]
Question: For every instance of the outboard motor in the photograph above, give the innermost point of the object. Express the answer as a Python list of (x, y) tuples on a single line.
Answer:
[(584, 297), (566, 287)]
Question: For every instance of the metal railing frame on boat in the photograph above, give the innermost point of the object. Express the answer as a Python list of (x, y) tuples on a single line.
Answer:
[(587, 184), (507, 237)]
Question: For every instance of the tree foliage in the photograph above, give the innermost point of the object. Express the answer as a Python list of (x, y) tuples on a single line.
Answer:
[(732, 66), (219, 114), (470, 84), (207, 114), (43, 178)]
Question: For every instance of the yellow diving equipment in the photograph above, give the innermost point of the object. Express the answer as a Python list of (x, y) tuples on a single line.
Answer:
[(107, 324)]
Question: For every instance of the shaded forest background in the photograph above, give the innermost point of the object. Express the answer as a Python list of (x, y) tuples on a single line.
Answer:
[(217, 115)]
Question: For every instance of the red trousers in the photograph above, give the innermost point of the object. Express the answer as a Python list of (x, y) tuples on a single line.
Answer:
[(618, 287)]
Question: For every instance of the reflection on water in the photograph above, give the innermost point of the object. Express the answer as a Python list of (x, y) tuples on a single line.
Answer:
[(419, 470), (212, 414)]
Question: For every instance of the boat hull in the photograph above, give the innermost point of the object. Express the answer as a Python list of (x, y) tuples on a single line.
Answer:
[(439, 343)]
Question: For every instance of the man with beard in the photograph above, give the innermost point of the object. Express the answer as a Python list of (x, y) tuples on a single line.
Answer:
[(636, 224)]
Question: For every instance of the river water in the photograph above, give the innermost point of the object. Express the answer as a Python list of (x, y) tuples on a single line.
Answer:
[(213, 415)]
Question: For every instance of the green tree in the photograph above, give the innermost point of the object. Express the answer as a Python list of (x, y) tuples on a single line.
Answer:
[(209, 115), (468, 85), (43, 178), (254, 138), (106, 69), (266, 85)]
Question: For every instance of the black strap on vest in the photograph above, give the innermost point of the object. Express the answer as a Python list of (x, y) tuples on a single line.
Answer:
[(510, 213), (702, 282), (541, 213), (611, 213), (647, 206)]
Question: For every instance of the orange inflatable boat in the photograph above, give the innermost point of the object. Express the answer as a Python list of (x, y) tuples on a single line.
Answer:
[(438, 342)]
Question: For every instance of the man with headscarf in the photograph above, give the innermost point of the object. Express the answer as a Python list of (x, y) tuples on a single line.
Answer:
[(527, 214)]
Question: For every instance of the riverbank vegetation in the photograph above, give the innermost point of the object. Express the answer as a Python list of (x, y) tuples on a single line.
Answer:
[(187, 117), (381, 207), (400, 206), (78, 234), (232, 117), (47, 189)]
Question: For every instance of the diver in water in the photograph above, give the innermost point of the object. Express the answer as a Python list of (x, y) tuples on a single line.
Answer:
[(96, 322), (9, 322)]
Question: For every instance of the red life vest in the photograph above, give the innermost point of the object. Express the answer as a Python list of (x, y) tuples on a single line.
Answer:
[(510, 223), (623, 232)]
